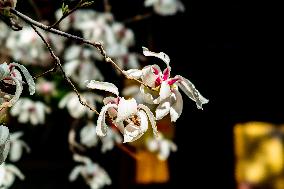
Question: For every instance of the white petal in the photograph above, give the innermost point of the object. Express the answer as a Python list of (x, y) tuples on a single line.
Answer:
[(143, 121), (101, 128), (149, 96), (177, 106), (126, 108), (15, 171), (131, 133), (164, 150), (165, 90), (16, 151), (151, 118), (70, 67), (148, 3), (148, 75), (75, 173), (189, 89), (152, 145), (88, 135), (106, 86), (160, 55), (163, 109), (133, 73), (16, 135), (4, 143), (40, 112)]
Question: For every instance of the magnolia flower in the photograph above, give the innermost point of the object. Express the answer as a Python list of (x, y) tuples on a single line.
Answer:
[(165, 7), (94, 175), (45, 87), (9, 74), (17, 146), (4, 143), (75, 108), (27, 47), (161, 146), (131, 119), (164, 89), (8, 174), (8, 3), (30, 111), (80, 65)]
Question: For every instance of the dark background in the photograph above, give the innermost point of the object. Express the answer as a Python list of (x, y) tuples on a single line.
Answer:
[(229, 50)]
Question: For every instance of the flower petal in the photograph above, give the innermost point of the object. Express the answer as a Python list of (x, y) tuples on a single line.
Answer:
[(101, 128), (143, 121), (4, 143), (189, 89), (126, 108), (177, 106), (106, 86), (163, 109), (15, 151), (133, 73), (131, 133), (160, 55), (165, 90), (76, 172), (151, 118), (148, 76), (88, 135)]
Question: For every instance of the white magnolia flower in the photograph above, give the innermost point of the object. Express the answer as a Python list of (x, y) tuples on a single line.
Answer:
[(8, 174), (11, 75), (75, 108), (17, 146), (165, 7), (164, 89), (131, 119), (26, 46), (4, 143), (80, 65), (30, 111), (94, 175), (161, 146)]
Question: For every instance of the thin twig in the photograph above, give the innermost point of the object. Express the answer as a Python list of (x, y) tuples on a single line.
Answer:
[(107, 6), (138, 18), (47, 72), (58, 63), (97, 45)]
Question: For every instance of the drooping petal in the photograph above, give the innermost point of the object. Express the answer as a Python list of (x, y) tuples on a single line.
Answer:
[(133, 73), (126, 108), (143, 121), (131, 133), (75, 173), (163, 109), (164, 150), (4, 70), (4, 143), (151, 118), (88, 135), (160, 55), (189, 89), (106, 86), (27, 76), (15, 171), (15, 151), (177, 105), (101, 128), (16, 135), (165, 90), (19, 90)]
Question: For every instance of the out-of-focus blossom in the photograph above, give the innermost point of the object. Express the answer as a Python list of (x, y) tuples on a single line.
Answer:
[(30, 111), (4, 33), (131, 119), (161, 146), (79, 65), (4, 143), (165, 7), (88, 135), (94, 175), (26, 46), (8, 3), (11, 75), (109, 141), (17, 146), (45, 87), (164, 89), (102, 27), (75, 108), (8, 174)]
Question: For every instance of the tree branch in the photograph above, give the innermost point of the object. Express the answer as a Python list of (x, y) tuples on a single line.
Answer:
[(58, 63)]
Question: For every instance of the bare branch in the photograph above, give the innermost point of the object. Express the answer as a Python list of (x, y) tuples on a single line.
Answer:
[(58, 63), (138, 18)]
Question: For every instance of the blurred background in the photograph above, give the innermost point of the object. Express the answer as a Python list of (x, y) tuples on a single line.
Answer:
[(230, 51)]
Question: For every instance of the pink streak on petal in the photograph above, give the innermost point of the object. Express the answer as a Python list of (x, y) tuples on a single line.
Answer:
[(155, 70), (173, 80), (166, 74), (158, 81)]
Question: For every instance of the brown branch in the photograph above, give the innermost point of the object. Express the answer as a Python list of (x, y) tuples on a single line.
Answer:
[(97, 45), (58, 63), (138, 18), (107, 6), (127, 151), (47, 72)]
